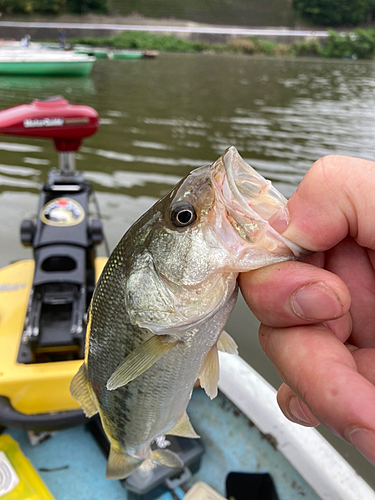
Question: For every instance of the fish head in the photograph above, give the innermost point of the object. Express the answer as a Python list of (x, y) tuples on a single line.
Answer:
[(211, 226), (216, 220)]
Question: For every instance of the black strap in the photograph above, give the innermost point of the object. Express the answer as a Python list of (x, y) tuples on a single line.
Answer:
[(244, 486)]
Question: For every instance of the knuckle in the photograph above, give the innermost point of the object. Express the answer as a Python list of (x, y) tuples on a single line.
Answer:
[(326, 167)]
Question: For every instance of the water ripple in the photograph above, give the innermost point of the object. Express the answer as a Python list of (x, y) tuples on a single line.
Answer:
[(24, 148), (128, 158), (130, 179), (150, 145), (175, 122), (16, 170), (12, 182), (36, 161)]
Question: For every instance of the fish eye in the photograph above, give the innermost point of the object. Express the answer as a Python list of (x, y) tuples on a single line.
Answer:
[(183, 214)]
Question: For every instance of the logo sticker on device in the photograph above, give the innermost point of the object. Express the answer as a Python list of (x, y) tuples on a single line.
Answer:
[(62, 212)]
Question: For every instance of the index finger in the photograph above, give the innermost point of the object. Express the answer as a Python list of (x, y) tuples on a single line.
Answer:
[(336, 198)]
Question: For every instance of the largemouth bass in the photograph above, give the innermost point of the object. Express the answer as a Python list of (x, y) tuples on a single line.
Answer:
[(156, 319)]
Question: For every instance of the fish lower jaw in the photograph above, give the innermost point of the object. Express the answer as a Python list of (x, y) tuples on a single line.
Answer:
[(250, 263)]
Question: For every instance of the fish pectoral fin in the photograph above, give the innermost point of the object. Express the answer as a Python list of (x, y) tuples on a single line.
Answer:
[(120, 465), (227, 344), (81, 392), (209, 374), (139, 361), (183, 428), (166, 458)]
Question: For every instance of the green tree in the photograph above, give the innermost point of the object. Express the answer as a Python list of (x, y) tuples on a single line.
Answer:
[(49, 6), (29, 6), (52, 6), (82, 6), (334, 12), (360, 43)]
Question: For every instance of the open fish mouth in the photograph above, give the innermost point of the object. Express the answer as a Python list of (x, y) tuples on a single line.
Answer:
[(250, 201)]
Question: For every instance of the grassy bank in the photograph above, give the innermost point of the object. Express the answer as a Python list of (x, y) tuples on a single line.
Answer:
[(359, 44)]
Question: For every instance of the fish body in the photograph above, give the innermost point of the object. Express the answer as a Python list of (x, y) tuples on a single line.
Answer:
[(158, 312)]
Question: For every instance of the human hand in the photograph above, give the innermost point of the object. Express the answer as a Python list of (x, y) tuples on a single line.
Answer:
[(318, 316)]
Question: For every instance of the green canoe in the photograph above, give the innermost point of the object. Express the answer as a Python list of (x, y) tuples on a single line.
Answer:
[(126, 54)]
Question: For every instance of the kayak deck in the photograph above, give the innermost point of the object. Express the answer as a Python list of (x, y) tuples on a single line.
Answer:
[(72, 465)]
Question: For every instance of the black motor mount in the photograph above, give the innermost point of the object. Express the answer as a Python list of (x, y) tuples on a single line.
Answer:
[(63, 242)]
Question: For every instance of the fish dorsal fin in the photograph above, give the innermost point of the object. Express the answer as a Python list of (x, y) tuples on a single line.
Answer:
[(209, 374), (183, 428), (139, 361), (166, 458), (226, 343), (81, 392), (120, 465)]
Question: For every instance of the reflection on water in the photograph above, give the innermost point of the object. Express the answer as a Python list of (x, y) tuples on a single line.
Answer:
[(37, 84), (161, 118)]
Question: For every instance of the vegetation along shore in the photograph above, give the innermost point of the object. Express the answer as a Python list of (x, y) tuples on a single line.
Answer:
[(358, 44)]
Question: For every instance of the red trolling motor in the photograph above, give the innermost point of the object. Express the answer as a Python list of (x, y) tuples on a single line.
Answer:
[(53, 118), (57, 285)]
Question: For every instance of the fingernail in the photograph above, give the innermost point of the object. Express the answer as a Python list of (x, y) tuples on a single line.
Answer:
[(364, 441), (297, 413), (280, 220), (316, 301)]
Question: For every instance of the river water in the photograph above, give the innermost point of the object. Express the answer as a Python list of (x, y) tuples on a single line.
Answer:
[(160, 118)]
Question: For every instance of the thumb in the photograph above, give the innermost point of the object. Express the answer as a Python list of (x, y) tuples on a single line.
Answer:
[(336, 198)]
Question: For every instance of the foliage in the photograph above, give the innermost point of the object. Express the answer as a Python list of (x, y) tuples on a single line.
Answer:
[(149, 41), (242, 46), (29, 6), (334, 12), (282, 49), (309, 47), (83, 6), (359, 44), (253, 45), (264, 46), (52, 6), (144, 40)]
